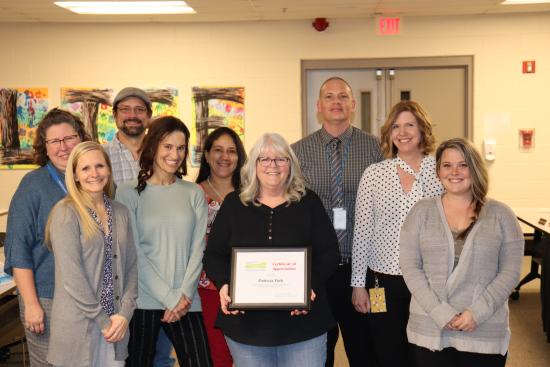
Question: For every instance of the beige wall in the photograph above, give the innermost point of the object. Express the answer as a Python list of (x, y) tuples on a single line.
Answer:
[(265, 57)]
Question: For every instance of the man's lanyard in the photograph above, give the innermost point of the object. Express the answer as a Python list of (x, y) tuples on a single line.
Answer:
[(55, 177)]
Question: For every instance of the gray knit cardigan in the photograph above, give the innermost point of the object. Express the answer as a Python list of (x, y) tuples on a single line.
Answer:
[(487, 272)]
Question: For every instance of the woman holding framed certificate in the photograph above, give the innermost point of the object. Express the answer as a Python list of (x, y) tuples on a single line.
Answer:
[(273, 211)]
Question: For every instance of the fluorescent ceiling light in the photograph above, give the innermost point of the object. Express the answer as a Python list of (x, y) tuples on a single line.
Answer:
[(126, 7), (524, 2)]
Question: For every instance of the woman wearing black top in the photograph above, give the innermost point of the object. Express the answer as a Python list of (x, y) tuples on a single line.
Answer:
[(274, 209)]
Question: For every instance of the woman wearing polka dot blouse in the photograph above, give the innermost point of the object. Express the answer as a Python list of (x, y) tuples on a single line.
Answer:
[(386, 193)]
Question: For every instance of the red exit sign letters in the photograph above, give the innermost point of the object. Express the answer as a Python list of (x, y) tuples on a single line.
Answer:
[(388, 25)]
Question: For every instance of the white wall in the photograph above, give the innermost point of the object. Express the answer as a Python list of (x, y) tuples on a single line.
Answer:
[(265, 57)]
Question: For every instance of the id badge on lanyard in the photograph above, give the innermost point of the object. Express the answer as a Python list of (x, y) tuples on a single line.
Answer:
[(377, 298)]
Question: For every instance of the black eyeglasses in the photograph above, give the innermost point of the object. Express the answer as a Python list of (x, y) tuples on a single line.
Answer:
[(279, 161), (68, 140), (127, 110)]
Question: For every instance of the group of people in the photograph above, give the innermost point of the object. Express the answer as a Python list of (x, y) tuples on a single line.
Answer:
[(117, 258)]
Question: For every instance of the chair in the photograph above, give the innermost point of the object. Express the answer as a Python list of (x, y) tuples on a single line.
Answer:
[(534, 247)]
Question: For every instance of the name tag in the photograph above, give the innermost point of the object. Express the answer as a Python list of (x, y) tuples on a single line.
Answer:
[(377, 300), (339, 218)]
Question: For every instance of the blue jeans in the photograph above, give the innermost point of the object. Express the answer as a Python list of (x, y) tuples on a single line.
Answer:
[(309, 353), (163, 351)]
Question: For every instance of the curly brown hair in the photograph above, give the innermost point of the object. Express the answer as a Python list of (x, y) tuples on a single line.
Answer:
[(55, 116), (427, 140), (158, 130)]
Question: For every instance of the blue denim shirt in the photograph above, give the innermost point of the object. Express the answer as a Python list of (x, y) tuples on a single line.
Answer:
[(29, 209)]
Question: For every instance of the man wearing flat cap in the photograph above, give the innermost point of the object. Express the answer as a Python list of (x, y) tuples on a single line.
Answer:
[(132, 112)]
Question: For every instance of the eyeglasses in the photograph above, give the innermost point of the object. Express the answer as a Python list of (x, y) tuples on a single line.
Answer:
[(279, 161), (127, 110), (68, 140)]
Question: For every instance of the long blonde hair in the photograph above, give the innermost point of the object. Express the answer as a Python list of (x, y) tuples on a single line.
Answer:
[(295, 187), (79, 199)]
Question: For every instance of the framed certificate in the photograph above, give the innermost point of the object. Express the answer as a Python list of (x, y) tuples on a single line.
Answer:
[(270, 278)]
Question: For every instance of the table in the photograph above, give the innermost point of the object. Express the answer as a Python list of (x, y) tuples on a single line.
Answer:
[(7, 287), (539, 220)]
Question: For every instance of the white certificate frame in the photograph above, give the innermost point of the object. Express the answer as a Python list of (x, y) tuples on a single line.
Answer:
[(270, 278)]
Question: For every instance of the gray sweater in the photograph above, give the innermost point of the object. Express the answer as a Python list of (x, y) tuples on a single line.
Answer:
[(78, 283), (487, 272)]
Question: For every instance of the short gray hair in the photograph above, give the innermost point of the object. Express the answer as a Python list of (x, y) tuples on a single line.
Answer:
[(295, 187)]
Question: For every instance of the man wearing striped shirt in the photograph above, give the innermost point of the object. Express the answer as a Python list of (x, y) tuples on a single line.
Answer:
[(333, 160)]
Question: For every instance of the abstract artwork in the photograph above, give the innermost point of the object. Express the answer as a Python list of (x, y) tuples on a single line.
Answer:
[(21, 110), (164, 101), (214, 107), (93, 107)]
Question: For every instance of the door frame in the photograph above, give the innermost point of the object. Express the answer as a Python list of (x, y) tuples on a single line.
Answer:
[(465, 62)]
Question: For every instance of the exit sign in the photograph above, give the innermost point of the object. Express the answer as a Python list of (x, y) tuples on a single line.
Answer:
[(388, 25)]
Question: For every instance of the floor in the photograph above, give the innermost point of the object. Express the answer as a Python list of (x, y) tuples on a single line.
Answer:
[(528, 347)]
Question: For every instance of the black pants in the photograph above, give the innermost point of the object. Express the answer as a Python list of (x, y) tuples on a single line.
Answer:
[(352, 323), (450, 357), (187, 336), (388, 329)]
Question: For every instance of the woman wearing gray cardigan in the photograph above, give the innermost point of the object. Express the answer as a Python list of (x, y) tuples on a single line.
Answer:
[(461, 258), (95, 266)]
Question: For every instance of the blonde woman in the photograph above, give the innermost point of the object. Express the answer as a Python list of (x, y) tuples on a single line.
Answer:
[(95, 266), (274, 209), (461, 258)]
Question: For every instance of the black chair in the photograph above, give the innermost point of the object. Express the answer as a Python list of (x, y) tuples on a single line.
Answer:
[(534, 247)]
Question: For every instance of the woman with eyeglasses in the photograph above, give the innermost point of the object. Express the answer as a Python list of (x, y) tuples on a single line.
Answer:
[(95, 266), (169, 221), (274, 209), (219, 174), (27, 259), (461, 256)]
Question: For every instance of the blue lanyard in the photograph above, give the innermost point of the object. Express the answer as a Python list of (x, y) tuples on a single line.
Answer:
[(55, 177)]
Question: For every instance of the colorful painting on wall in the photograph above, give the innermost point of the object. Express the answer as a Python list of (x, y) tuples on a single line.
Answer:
[(214, 107), (164, 101), (94, 107), (21, 110)]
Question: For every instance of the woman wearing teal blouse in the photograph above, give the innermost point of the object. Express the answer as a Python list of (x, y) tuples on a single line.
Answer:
[(169, 217)]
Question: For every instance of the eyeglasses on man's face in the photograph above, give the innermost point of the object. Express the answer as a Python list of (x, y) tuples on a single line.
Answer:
[(69, 140), (279, 161), (126, 110)]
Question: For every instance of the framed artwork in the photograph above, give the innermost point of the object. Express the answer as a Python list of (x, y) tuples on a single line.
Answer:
[(214, 107), (21, 109)]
